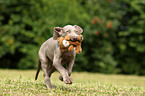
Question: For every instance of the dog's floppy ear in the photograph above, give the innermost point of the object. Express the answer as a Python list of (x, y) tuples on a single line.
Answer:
[(57, 32), (79, 29)]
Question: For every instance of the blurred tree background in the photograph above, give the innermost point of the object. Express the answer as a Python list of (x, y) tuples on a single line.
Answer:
[(114, 33)]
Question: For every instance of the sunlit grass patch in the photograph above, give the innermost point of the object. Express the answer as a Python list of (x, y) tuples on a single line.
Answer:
[(18, 83)]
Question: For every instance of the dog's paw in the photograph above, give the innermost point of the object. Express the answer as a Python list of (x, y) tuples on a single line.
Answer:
[(52, 87), (68, 80)]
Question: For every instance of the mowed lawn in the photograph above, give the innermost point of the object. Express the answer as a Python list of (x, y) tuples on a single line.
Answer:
[(22, 83)]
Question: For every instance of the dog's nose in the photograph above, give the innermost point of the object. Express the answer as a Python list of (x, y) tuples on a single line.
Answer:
[(74, 39)]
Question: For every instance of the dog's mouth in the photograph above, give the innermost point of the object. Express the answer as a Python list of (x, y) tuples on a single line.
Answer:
[(74, 39)]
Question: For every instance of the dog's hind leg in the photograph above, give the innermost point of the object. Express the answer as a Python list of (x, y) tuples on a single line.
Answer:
[(50, 71), (46, 75)]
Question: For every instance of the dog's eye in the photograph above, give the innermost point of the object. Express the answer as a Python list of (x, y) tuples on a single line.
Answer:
[(67, 31), (76, 31)]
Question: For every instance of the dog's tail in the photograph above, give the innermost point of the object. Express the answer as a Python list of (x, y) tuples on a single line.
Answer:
[(38, 69)]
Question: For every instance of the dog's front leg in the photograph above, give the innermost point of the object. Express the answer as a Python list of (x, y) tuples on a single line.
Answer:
[(57, 64), (69, 67)]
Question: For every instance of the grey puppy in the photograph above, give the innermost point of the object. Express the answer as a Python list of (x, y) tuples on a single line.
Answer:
[(51, 57)]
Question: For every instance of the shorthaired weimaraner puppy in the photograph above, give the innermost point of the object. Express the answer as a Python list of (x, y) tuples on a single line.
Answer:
[(51, 57)]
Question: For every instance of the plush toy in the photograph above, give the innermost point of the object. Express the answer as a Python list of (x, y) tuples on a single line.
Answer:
[(66, 44)]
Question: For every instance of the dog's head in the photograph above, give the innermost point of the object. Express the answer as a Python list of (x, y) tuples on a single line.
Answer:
[(72, 31)]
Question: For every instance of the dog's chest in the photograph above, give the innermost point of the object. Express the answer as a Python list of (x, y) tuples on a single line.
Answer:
[(67, 56)]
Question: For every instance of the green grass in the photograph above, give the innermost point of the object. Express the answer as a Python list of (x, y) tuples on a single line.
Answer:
[(21, 83)]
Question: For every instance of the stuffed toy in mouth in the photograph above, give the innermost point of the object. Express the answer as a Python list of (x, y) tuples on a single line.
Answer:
[(66, 44)]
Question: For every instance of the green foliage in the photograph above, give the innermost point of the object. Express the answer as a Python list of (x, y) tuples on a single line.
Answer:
[(131, 38), (26, 25), (113, 32), (16, 83), (101, 35)]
